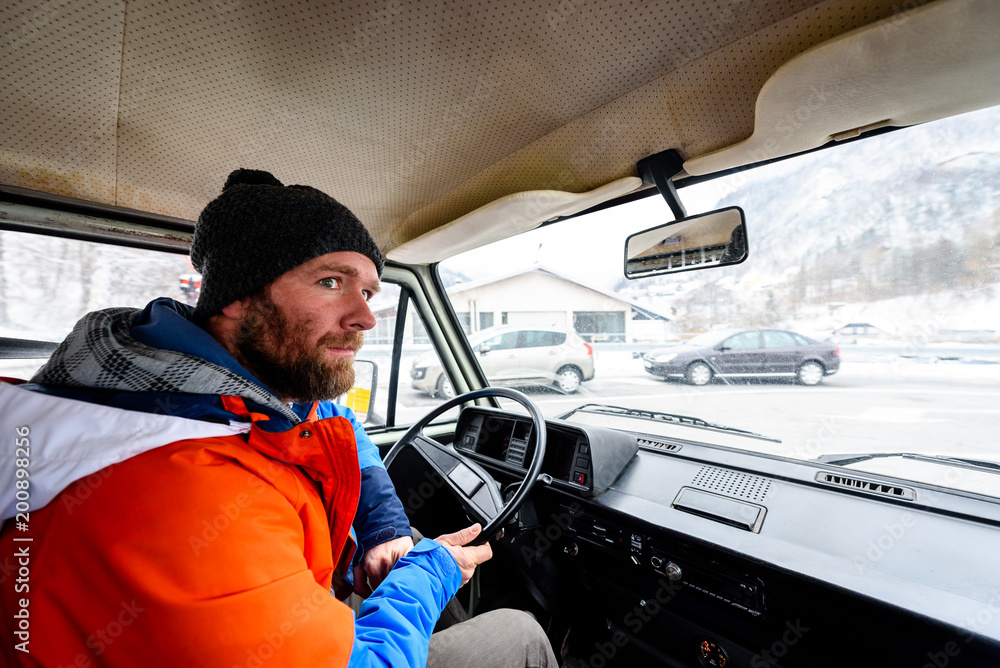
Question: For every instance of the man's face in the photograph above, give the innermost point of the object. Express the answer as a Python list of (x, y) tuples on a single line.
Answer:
[(299, 336)]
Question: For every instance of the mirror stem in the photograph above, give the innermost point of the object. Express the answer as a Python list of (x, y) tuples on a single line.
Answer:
[(658, 169)]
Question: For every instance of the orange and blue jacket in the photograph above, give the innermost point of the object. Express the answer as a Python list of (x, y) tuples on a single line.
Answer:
[(161, 539)]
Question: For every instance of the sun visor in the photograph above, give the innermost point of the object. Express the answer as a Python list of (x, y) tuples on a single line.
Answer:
[(503, 218), (913, 67)]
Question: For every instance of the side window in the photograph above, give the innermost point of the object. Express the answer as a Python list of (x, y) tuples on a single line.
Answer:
[(492, 343), (377, 350), (48, 283), (505, 341), (542, 339), (774, 339), (422, 383), (744, 341)]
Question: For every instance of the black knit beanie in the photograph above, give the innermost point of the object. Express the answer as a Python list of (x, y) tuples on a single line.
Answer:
[(258, 229)]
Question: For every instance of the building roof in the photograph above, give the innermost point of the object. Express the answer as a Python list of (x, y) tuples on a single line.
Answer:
[(649, 313)]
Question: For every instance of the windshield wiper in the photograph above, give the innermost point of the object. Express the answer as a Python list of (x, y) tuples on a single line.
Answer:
[(664, 417), (978, 463), (847, 460)]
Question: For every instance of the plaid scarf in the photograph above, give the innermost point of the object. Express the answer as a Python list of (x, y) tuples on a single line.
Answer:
[(101, 354)]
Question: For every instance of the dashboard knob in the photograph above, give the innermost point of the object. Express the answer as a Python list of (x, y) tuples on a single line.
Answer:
[(674, 573), (571, 550)]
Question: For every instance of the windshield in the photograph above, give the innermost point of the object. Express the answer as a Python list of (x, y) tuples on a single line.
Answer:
[(884, 252)]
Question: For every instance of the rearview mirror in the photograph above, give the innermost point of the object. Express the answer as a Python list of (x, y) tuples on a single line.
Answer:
[(713, 239)]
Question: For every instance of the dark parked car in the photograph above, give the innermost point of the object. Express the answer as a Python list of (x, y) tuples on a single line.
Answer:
[(764, 353)]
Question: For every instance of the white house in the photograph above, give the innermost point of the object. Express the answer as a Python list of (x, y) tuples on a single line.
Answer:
[(555, 300)]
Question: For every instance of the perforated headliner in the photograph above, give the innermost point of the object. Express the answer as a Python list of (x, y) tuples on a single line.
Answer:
[(412, 114)]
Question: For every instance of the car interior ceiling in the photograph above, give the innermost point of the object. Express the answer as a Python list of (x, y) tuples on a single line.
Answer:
[(462, 146), (514, 121)]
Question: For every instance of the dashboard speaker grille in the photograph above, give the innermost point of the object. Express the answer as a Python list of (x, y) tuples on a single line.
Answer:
[(733, 483)]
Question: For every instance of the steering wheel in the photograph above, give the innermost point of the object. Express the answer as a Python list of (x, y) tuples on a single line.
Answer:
[(474, 487)]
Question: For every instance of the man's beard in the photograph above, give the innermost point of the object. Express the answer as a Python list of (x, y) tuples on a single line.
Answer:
[(278, 354)]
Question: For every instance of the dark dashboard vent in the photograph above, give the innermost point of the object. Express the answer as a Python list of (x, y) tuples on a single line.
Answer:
[(869, 486), (733, 483), (657, 445)]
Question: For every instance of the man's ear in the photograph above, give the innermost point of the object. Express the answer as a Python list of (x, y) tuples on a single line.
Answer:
[(235, 310), (224, 324)]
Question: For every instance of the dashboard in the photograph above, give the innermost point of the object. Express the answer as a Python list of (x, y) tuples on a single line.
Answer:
[(500, 438), (700, 555)]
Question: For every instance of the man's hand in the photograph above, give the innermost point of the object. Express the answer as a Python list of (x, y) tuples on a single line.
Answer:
[(377, 562), (467, 557)]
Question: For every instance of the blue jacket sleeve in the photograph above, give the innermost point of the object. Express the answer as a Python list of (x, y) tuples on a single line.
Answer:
[(380, 516), (395, 623)]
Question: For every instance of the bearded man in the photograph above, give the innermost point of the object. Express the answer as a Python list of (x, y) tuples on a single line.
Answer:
[(195, 494)]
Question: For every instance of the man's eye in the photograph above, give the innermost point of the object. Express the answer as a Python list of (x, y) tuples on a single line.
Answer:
[(330, 282)]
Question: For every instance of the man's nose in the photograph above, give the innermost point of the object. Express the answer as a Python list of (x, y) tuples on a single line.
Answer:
[(360, 316)]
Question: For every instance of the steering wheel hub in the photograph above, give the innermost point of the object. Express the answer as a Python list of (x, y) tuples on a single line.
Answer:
[(473, 485)]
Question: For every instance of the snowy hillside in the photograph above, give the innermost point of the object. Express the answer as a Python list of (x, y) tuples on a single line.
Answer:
[(914, 247)]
